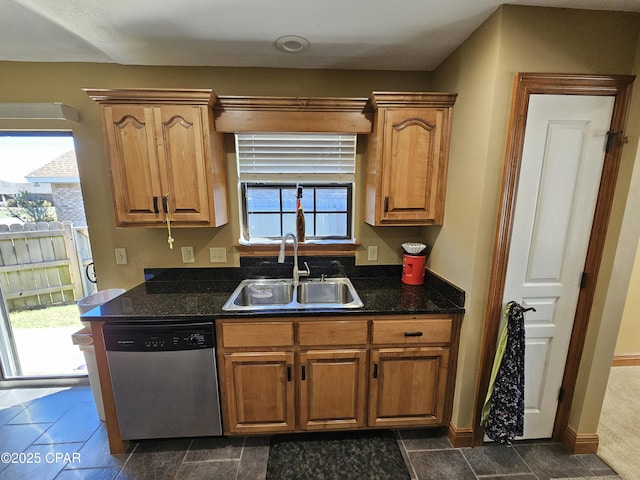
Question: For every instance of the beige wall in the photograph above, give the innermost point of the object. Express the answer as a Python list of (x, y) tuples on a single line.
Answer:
[(460, 250), (43, 82), (481, 71), (629, 336)]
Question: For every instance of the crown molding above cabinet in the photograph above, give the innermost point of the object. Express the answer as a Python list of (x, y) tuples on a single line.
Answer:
[(292, 114)]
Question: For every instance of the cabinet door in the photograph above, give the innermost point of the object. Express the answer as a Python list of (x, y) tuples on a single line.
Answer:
[(133, 164), (260, 393), (408, 386), (332, 389), (183, 150), (414, 165)]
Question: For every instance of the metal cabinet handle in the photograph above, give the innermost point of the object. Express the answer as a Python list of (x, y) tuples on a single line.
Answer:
[(304, 371), (155, 205), (412, 334), (288, 372), (165, 203), (375, 369)]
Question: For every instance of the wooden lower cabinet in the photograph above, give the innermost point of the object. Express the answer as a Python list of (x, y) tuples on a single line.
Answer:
[(341, 374), (332, 389), (260, 392), (408, 386)]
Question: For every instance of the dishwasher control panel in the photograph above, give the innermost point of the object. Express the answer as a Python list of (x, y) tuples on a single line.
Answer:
[(152, 338)]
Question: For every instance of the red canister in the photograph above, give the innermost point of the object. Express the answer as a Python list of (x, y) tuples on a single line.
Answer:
[(413, 269)]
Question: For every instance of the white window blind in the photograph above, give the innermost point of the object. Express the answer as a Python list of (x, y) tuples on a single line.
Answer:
[(312, 156)]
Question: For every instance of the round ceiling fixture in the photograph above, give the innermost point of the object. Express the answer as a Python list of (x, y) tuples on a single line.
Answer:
[(292, 44)]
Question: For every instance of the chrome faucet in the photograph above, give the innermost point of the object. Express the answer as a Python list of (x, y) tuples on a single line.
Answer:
[(297, 273)]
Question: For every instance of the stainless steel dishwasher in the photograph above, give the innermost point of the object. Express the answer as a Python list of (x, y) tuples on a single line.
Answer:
[(164, 377)]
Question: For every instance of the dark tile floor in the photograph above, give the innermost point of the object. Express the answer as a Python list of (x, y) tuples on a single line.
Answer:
[(55, 433)]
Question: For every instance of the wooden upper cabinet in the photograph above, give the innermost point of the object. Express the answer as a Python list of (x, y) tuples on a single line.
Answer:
[(183, 159), (134, 169), (407, 157), (164, 155)]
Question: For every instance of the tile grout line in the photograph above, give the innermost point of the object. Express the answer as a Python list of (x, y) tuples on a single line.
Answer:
[(244, 444), (406, 451), (468, 463), (83, 445), (119, 475), (525, 462), (506, 475), (186, 452)]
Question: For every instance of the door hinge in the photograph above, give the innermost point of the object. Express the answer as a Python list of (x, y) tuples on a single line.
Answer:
[(610, 138), (561, 394), (583, 279)]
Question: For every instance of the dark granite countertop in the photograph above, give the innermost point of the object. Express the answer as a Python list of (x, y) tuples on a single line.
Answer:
[(181, 294)]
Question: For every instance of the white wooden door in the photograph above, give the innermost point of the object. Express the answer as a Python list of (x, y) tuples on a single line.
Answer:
[(563, 153)]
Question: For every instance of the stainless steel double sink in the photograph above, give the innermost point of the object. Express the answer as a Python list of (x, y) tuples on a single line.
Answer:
[(285, 294)]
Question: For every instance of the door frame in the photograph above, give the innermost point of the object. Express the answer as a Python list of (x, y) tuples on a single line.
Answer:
[(9, 360), (526, 84)]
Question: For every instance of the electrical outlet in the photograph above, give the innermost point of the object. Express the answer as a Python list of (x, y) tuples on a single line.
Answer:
[(218, 255), (187, 255), (372, 253), (121, 256)]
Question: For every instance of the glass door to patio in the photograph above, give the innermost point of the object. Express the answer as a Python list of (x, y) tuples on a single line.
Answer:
[(45, 256)]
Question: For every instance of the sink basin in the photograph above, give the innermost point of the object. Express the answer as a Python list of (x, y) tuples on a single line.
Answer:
[(259, 293), (324, 292), (282, 294)]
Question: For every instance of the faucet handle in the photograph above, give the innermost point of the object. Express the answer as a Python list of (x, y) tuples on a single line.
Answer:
[(303, 273)]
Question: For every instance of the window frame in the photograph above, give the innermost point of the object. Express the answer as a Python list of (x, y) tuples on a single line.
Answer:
[(245, 237)]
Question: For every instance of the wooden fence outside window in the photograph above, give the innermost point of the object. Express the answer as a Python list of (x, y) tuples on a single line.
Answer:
[(43, 264)]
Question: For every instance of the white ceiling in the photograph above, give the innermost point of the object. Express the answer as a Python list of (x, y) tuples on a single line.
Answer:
[(344, 34)]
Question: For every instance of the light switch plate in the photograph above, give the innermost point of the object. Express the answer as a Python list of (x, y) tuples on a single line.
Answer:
[(218, 255), (187, 255), (372, 253), (121, 256)]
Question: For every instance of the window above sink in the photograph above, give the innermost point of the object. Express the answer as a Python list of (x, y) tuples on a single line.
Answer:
[(271, 168)]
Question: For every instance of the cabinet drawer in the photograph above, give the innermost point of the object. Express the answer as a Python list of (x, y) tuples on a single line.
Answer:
[(338, 332), (412, 331), (257, 334)]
